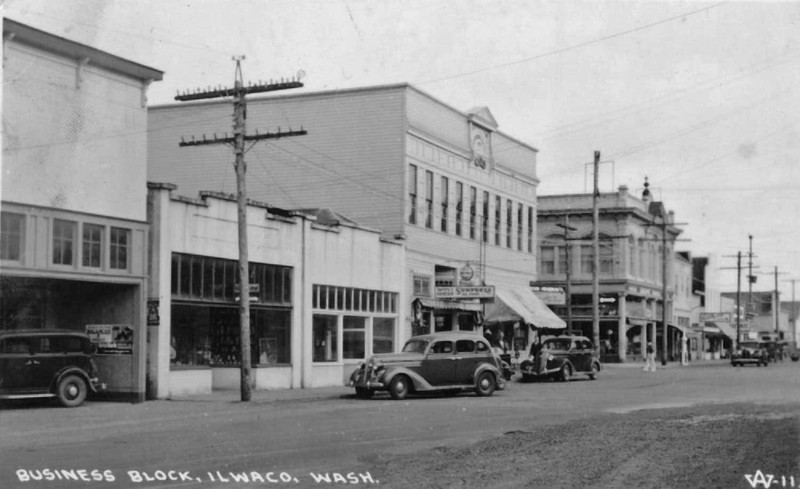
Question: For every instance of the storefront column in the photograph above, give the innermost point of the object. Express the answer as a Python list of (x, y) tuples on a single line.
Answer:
[(303, 317), (159, 291), (622, 346)]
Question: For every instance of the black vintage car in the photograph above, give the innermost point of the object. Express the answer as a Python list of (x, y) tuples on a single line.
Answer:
[(560, 358), (42, 363), (752, 352), (444, 362)]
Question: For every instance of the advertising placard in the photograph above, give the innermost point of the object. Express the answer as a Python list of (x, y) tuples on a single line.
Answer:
[(111, 339)]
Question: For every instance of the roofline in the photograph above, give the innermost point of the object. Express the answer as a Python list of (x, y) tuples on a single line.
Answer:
[(338, 91), (25, 34)]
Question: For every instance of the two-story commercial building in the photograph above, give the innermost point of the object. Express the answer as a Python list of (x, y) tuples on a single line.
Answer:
[(636, 246), (73, 237)]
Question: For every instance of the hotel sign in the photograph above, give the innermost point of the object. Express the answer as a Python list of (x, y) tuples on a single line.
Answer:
[(465, 292)]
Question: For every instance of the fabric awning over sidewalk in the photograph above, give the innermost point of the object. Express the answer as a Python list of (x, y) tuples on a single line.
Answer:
[(521, 304), (725, 328), (449, 305)]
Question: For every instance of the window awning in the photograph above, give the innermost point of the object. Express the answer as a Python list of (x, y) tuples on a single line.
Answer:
[(724, 327), (521, 304), (440, 304)]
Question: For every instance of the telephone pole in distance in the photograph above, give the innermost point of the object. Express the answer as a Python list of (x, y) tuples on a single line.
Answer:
[(237, 141)]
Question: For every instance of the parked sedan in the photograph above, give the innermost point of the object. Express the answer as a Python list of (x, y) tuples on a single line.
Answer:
[(449, 362), (561, 358), (750, 353), (42, 363)]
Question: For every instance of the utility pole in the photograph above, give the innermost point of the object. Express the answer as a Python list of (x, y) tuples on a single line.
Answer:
[(751, 279), (237, 141), (794, 314), (567, 228), (738, 298), (596, 256)]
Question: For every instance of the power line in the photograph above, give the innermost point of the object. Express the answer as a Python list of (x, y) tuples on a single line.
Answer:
[(572, 47)]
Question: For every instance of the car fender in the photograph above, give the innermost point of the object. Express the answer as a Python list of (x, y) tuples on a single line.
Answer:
[(420, 384), (72, 370), (498, 374)]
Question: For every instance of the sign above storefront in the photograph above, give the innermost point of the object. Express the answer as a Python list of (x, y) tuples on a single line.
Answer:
[(465, 292), (552, 296), (716, 317)]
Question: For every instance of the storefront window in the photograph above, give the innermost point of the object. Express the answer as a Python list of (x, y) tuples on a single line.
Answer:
[(210, 336), (353, 337), (383, 335), (325, 338)]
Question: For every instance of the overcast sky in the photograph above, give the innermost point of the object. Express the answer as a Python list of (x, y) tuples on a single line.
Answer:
[(702, 98)]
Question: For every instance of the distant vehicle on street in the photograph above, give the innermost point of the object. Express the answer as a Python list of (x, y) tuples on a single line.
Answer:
[(750, 353), (46, 363), (444, 362), (560, 358)]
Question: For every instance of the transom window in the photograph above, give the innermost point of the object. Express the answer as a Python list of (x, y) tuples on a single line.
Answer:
[(332, 298)]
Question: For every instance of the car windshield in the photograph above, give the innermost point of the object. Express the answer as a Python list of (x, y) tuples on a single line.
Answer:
[(415, 346), (750, 344)]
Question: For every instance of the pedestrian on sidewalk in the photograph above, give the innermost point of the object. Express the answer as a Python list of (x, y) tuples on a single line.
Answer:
[(650, 358)]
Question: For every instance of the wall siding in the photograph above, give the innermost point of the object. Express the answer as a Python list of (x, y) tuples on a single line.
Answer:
[(350, 161)]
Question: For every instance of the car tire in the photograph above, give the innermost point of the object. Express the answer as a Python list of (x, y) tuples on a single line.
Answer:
[(565, 373), (485, 384), (595, 371), (364, 393), (71, 390), (399, 387)]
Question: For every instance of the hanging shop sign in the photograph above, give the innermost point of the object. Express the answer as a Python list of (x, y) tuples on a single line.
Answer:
[(466, 273), (465, 292), (552, 296), (111, 339), (255, 291)]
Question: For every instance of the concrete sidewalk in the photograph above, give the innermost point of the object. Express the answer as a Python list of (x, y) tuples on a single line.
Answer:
[(272, 395), (342, 392)]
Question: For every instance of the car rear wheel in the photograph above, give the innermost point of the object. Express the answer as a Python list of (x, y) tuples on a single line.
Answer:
[(594, 372), (485, 384), (399, 387), (364, 393), (565, 373), (71, 391)]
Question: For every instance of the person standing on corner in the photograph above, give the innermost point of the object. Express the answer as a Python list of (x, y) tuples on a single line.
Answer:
[(650, 359)]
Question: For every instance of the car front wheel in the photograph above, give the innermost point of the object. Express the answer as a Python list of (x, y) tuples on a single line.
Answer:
[(71, 391), (485, 384), (565, 373), (399, 387)]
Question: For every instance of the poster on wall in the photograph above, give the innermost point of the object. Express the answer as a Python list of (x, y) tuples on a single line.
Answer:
[(111, 339)]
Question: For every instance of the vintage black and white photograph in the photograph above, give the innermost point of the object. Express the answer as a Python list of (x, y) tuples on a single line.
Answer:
[(400, 244)]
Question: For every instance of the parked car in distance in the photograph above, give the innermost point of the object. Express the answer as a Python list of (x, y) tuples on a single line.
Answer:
[(560, 358), (42, 363), (449, 362), (752, 352)]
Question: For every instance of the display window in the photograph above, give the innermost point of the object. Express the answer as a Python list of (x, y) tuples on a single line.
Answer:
[(325, 338), (210, 336)]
